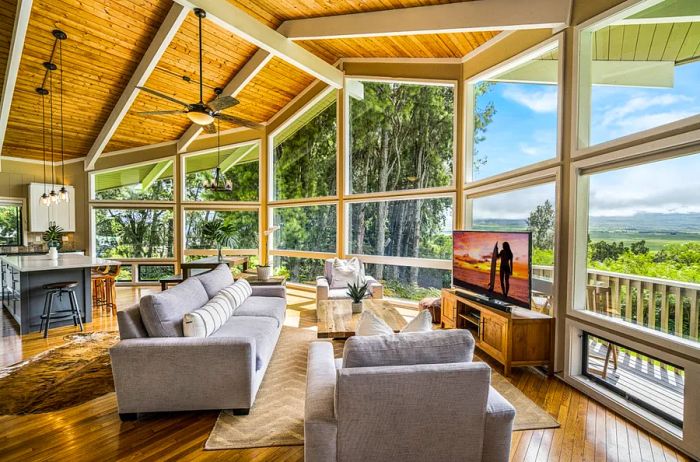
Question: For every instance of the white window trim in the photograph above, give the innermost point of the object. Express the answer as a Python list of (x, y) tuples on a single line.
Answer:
[(94, 173)]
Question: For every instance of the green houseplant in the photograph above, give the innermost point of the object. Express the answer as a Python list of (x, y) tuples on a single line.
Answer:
[(220, 233), (357, 292), (53, 237)]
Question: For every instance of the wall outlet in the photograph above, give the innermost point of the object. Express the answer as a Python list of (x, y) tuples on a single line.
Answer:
[(37, 238)]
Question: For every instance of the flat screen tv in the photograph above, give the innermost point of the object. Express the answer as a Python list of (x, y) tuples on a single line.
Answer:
[(493, 265)]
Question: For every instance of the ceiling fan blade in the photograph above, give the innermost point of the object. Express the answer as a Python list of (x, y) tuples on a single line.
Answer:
[(211, 128), (163, 96), (161, 112), (223, 102), (238, 121)]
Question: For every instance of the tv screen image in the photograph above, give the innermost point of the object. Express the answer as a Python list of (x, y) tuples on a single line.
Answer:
[(493, 264)]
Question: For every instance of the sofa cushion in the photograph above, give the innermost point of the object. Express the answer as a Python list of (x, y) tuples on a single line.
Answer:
[(206, 320), (263, 329), (216, 279), (371, 324), (271, 307), (237, 292), (162, 313), (344, 272), (423, 322), (434, 347)]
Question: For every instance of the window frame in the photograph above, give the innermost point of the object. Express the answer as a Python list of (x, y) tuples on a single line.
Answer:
[(20, 202), (94, 173)]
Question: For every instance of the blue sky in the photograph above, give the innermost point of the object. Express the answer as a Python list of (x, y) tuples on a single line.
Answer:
[(524, 131)]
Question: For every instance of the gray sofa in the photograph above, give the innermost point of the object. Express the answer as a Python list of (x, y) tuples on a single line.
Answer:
[(407, 397), (156, 368), (325, 292)]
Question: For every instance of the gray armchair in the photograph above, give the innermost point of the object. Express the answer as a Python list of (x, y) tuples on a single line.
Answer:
[(324, 283), (417, 398)]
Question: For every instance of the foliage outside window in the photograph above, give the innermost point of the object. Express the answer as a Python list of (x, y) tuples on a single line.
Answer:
[(139, 233), (515, 117), (401, 137), (304, 156), (425, 282), (416, 228), (526, 209), (307, 228), (148, 273), (640, 72), (10, 224), (244, 222), (644, 244), (299, 270), (240, 165), (153, 182)]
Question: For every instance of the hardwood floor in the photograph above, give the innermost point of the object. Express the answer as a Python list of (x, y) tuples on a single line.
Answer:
[(93, 431)]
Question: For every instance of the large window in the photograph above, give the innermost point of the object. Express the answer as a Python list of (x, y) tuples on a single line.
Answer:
[(10, 223), (243, 225), (151, 181), (304, 153), (639, 72), (643, 252), (298, 270), (238, 166), (308, 228), (410, 282), (401, 137), (133, 233), (514, 115)]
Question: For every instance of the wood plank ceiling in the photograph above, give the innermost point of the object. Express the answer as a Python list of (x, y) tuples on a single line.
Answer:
[(107, 38), (8, 9)]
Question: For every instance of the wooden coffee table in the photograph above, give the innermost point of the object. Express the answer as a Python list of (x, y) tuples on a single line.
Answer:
[(336, 320)]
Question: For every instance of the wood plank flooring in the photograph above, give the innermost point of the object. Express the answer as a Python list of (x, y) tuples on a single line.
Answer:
[(93, 431)]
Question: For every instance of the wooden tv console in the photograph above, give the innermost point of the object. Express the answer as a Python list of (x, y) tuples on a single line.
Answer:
[(520, 337)]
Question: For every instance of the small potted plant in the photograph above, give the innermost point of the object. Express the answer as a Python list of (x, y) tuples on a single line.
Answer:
[(264, 272), (220, 233), (357, 292), (53, 237)]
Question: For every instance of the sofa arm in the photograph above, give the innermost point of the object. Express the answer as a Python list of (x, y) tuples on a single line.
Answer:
[(498, 428), (376, 289), (320, 428), (183, 373), (322, 288), (270, 291)]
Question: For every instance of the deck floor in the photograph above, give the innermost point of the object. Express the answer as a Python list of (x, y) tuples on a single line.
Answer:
[(656, 385)]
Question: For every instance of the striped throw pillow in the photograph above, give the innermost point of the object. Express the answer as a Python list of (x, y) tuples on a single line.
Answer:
[(237, 292), (206, 320)]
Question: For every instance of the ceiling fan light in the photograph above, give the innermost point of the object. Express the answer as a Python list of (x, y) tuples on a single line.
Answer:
[(200, 118)]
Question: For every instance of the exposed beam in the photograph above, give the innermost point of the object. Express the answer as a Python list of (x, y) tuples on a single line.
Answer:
[(477, 15), (251, 68), (24, 8), (176, 16), (156, 172), (232, 160), (251, 30)]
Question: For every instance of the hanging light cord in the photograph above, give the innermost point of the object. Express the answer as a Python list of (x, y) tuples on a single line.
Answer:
[(218, 150), (60, 70), (51, 128), (201, 96), (43, 134)]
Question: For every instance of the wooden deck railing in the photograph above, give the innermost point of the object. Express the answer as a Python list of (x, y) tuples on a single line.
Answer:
[(661, 304)]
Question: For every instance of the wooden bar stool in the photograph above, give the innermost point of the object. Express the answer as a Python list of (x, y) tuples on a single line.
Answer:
[(59, 289), (104, 288)]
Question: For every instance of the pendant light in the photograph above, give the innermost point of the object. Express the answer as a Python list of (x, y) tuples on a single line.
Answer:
[(219, 183), (44, 199), (53, 196), (63, 192)]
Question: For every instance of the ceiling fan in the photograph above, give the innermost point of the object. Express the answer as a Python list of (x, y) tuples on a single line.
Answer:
[(202, 113)]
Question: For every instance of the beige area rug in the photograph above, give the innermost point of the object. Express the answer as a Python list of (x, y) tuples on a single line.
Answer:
[(62, 377), (277, 417)]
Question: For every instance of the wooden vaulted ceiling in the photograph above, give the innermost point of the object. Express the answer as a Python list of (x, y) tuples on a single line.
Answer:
[(108, 38)]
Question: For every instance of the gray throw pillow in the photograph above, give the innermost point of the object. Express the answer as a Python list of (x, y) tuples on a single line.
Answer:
[(162, 313), (434, 347), (216, 279)]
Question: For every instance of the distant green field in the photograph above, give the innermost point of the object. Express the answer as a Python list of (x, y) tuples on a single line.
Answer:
[(655, 241)]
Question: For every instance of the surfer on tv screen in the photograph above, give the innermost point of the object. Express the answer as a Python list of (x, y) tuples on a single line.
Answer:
[(506, 270)]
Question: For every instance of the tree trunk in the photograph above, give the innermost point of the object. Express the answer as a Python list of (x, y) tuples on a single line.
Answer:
[(383, 207)]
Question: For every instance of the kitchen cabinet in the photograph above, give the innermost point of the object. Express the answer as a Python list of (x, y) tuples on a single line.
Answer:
[(62, 213)]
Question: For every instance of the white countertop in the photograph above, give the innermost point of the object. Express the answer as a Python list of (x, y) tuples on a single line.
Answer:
[(27, 263)]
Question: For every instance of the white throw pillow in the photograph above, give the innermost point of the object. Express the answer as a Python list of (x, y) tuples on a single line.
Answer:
[(346, 272), (371, 324), (206, 320), (237, 292), (421, 323)]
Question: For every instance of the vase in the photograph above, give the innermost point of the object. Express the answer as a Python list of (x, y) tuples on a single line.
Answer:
[(264, 272), (53, 253), (357, 307)]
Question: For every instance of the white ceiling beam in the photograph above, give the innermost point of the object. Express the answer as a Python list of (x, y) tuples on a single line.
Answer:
[(176, 16), (473, 16), (249, 70), (251, 30), (19, 33), (156, 172)]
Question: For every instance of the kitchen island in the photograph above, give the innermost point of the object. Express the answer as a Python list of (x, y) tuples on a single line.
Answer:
[(22, 278)]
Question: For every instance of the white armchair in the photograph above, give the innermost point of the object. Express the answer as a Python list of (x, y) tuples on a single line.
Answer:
[(325, 282)]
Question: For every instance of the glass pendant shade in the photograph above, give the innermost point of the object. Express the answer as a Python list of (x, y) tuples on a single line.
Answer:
[(44, 200), (53, 197), (64, 195)]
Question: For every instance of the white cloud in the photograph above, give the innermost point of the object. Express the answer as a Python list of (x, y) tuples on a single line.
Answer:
[(617, 114), (512, 205), (540, 101)]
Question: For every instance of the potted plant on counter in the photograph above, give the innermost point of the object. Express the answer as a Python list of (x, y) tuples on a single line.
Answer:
[(357, 292), (53, 237)]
